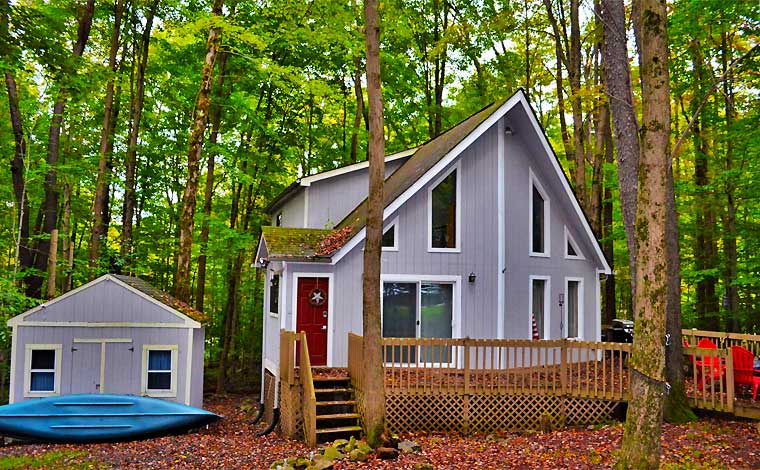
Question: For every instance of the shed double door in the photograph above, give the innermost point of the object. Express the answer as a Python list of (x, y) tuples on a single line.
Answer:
[(103, 367)]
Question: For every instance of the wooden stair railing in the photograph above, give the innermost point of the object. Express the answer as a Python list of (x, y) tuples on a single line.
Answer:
[(309, 401)]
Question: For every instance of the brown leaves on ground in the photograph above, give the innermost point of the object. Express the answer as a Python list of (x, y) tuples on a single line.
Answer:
[(232, 443)]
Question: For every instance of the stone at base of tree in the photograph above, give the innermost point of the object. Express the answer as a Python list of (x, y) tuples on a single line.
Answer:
[(389, 440), (408, 446), (386, 453)]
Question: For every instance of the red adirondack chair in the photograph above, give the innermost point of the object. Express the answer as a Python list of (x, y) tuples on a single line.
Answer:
[(708, 367), (743, 360)]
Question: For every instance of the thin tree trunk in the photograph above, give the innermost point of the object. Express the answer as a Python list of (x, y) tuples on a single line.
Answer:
[(561, 60), (574, 78), (137, 101), (608, 244), (359, 108), (52, 264), (617, 79), (215, 118), (374, 413), (641, 447), (50, 203), (101, 187), (68, 240), (200, 119), (729, 223)]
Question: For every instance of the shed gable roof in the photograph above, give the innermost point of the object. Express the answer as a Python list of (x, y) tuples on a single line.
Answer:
[(183, 314)]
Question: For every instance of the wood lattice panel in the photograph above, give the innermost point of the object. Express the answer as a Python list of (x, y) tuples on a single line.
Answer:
[(424, 413), (489, 413), (291, 413), (583, 411)]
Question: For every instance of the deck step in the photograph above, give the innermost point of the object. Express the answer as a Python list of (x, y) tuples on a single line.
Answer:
[(339, 416), (331, 379), (338, 402), (331, 390), (340, 429)]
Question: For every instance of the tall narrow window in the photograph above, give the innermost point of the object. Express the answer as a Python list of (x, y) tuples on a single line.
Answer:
[(443, 213), (278, 220), (573, 309), (274, 294), (159, 370), (538, 307), (42, 371), (538, 242)]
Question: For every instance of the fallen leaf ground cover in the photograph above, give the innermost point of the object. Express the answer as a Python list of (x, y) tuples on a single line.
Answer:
[(710, 443)]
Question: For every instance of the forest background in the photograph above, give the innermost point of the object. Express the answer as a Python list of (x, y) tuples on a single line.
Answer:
[(101, 100)]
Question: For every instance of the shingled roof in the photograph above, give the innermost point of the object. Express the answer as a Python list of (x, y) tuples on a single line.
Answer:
[(296, 244), (162, 297), (423, 160)]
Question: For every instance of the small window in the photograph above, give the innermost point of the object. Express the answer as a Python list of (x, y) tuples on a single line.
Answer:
[(539, 219), (274, 294), (574, 308), (444, 231), (42, 372), (571, 247), (538, 307), (389, 237), (159, 370), (278, 220)]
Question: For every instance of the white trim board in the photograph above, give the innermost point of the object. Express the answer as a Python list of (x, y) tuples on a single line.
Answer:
[(501, 264), (14, 360), (517, 98), (187, 322), (330, 309)]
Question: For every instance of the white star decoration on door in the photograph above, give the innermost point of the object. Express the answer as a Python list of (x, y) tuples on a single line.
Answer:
[(317, 297)]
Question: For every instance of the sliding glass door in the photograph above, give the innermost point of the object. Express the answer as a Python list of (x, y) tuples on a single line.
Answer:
[(420, 309)]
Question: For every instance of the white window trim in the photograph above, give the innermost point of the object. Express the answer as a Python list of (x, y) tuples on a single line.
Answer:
[(569, 239), (546, 334), (456, 281), (172, 392), (458, 217), (581, 313), (394, 225), (331, 321), (533, 182), (271, 273), (28, 393)]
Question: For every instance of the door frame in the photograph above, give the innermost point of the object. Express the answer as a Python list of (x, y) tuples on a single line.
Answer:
[(102, 342), (330, 310)]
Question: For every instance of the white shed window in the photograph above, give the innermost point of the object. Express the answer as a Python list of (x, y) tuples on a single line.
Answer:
[(43, 369), (160, 370)]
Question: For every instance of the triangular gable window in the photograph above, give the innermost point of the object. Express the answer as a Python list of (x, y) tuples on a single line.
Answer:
[(571, 247)]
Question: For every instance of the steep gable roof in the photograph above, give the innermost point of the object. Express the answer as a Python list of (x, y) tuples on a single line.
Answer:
[(436, 154)]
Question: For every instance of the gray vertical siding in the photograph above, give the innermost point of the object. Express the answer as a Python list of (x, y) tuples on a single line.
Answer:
[(123, 370), (292, 210), (479, 180), (330, 200), (105, 301), (196, 380)]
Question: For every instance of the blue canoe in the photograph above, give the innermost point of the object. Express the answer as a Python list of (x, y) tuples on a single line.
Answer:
[(98, 418)]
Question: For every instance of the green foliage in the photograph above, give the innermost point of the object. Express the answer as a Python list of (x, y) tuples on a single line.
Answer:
[(59, 459)]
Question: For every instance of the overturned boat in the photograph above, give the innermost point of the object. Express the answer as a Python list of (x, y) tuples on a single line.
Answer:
[(99, 418)]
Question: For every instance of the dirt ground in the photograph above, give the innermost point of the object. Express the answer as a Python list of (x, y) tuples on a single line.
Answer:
[(232, 443)]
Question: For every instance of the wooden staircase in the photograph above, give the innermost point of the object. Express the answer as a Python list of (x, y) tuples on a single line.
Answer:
[(336, 415)]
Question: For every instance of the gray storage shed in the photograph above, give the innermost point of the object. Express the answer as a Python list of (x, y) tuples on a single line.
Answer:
[(116, 334)]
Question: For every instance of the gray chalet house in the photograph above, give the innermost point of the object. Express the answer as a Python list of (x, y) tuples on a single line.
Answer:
[(482, 235), (116, 334)]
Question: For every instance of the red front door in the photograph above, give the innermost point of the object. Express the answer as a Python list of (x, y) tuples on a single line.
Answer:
[(311, 316)]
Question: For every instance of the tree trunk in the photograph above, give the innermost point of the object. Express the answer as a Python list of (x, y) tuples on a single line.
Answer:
[(574, 78), (729, 223), (215, 118), (52, 264), (374, 417), (359, 108), (68, 240), (608, 242), (200, 119), (617, 79), (50, 203), (137, 100), (641, 447), (101, 187)]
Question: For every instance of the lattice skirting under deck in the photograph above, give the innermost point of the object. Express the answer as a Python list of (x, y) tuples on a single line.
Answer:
[(490, 413)]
